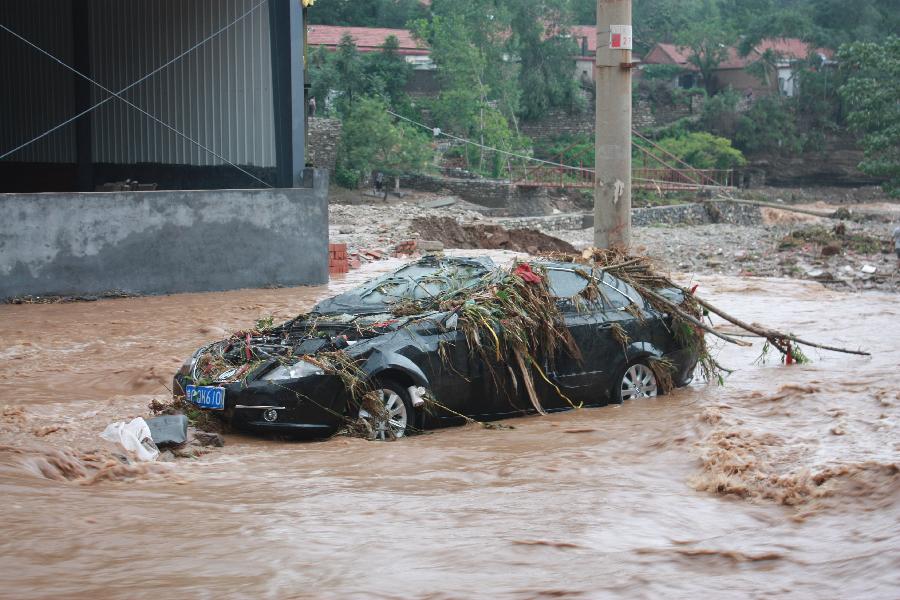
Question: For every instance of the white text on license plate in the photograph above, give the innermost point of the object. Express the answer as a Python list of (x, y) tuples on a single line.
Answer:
[(206, 396)]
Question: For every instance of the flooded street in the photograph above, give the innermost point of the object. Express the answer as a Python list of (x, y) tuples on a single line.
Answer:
[(782, 483)]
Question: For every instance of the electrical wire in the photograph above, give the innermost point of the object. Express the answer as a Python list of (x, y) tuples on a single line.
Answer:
[(437, 131), (128, 87)]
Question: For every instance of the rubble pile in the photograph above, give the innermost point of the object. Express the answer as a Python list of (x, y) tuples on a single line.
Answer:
[(488, 236)]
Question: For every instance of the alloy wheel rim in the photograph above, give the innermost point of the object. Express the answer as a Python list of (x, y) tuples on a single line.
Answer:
[(394, 425), (638, 382)]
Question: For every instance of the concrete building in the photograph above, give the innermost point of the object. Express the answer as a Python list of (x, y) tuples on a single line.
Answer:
[(199, 95), (586, 38)]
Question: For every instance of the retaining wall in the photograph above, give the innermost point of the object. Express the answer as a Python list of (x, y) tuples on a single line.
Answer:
[(679, 214), (490, 193), (322, 145), (163, 242)]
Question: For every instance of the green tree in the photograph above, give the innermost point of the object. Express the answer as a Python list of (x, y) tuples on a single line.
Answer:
[(720, 115), (709, 42), (653, 20), (366, 13), (349, 73), (872, 93), (540, 40), (483, 25), (372, 141), (344, 74), (323, 77), (769, 126), (387, 71), (468, 105), (702, 150)]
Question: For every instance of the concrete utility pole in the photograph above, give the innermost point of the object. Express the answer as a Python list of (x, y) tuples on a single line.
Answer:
[(612, 137)]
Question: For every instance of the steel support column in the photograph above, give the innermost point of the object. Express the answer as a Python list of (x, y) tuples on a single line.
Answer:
[(286, 40), (81, 35)]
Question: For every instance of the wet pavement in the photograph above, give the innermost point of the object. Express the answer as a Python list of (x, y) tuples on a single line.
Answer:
[(782, 483)]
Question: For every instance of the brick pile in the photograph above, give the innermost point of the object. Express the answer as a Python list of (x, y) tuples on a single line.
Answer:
[(337, 259), (341, 260)]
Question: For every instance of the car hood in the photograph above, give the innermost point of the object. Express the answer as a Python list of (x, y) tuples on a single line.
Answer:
[(246, 356)]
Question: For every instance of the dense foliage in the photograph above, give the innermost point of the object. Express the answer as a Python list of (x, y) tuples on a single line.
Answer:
[(367, 13), (338, 78), (500, 62), (701, 150), (373, 141), (873, 95), (824, 22)]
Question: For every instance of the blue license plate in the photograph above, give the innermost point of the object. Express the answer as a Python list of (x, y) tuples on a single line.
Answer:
[(206, 396)]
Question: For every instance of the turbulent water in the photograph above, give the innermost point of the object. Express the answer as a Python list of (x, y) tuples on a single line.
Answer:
[(784, 482)]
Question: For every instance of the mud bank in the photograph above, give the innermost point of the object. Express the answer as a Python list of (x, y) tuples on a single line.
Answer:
[(487, 236), (783, 482)]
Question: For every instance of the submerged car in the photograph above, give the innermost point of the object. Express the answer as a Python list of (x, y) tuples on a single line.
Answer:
[(392, 354)]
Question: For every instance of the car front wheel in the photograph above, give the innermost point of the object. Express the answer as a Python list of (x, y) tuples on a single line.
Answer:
[(638, 381), (388, 412)]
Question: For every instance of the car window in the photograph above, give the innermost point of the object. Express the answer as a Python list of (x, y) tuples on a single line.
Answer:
[(419, 282), (618, 293), (564, 283)]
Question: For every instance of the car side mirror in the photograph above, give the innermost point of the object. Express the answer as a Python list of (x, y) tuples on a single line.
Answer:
[(452, 321)]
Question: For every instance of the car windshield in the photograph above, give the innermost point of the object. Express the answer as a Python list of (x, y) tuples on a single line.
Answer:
[(418, 281)]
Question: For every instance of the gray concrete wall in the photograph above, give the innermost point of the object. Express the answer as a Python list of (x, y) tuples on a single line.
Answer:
[(163, 242)]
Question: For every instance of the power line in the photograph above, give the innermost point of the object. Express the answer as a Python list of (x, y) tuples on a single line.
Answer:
[(128, 87), (438, 131)]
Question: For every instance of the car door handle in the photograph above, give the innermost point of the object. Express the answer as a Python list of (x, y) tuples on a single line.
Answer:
[(605, 326)]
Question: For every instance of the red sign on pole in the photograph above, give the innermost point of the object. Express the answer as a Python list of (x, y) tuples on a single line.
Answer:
[(620, 37)]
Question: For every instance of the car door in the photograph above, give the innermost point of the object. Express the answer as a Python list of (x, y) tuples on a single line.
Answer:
[(467, 382), (624, 320), (576, 376), (453, 376)]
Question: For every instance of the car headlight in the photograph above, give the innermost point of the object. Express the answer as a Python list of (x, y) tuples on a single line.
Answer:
[(294, 371), (188, 365)]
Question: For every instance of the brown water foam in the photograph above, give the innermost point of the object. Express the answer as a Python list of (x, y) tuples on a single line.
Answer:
[(591, 503)]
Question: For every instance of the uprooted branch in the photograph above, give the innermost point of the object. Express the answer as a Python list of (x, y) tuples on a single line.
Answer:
[(776, 338), (638, 272), (673, 308)]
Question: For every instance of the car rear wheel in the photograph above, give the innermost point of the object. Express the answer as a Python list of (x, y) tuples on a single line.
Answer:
[(392, 416), (638, 381)]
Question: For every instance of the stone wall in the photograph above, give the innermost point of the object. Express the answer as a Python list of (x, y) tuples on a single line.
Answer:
[(644, 115), (163, 242), (559, 122), (562, 222), (835, 162), (490, 193), (324, 136), (680, 214)]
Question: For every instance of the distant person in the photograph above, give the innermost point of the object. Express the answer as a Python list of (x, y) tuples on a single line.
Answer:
[(896, 237), (312, 107), (379, 182)]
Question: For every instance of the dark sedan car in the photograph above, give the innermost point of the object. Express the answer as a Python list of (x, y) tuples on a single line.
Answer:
[(418, 364)]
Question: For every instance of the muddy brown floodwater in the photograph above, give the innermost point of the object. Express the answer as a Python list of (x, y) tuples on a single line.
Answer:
[(782, 483)]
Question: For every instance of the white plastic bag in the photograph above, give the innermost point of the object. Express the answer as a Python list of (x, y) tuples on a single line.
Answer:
[(134, 437)]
